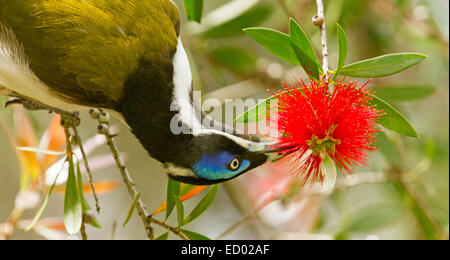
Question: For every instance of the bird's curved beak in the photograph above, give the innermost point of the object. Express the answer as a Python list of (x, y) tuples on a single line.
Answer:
[(266, 145)]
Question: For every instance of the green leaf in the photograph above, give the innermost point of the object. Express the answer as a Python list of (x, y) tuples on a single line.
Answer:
[(234, 26), (382, 65), (392, 119), (194, 236), (342, 41), (186, 188), (194, 10), (389, 149), (203, 204), (304, 50), (307, 64), (373, 217), (131, 209), (42, 207), (180, 211), (84, 204), (275, 42), (164, 236), (41, 151), (234, 58), (73, 211), (173, 190), (256, 113), (404, 92)]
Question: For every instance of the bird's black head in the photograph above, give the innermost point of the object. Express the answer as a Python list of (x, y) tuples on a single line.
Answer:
[(213, 158)]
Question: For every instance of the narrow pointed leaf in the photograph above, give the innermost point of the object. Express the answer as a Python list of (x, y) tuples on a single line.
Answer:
[(187, 191), (203, 204), (164, 236), (185, 188), (402, 93), (42, 151), (194, 236), (392, 119), (342, 41), (308, 65), (180, 211), (84, 204), (73, 211), (256, 113), (382, 65), (173, 189), (42, 207), (194, 10), (187, 194), (275, 42), (304, 50), (131, 209)]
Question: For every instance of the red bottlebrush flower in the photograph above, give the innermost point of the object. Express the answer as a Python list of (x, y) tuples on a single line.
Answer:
[(314, 123)]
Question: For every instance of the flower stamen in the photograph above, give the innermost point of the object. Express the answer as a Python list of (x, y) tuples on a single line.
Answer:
[(324, 146)]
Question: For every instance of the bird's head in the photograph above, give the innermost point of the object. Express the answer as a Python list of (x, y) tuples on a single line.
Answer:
[(160, 108), (216, 157)]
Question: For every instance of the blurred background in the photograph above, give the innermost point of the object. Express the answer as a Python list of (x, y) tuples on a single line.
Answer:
[(403, 195)]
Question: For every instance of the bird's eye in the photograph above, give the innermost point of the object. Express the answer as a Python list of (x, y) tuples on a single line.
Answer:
[(234, 164)]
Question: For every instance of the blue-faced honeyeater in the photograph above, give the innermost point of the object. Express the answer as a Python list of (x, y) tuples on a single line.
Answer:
[(126, 57)]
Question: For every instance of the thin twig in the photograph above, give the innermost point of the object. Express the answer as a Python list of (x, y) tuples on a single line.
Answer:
[(319, 20), (174, 230), (103, 128), (147, 219), (88, 170)]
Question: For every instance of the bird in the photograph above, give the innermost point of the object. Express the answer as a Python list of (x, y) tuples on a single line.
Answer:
[(126, 57)]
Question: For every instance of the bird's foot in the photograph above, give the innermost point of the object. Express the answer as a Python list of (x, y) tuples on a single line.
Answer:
[(27, 104), (32, 105)]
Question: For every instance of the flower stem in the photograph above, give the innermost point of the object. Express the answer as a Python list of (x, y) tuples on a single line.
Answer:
[(319, 21)]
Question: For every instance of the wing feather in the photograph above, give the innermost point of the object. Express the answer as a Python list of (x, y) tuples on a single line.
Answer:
[(87, 49)]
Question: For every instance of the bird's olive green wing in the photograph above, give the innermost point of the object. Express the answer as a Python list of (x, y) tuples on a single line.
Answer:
[(86, 49)]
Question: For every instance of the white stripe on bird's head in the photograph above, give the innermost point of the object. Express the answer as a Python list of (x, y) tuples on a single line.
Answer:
[(188, 114)]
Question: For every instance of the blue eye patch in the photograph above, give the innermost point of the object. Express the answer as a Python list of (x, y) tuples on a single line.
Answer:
[(219, 166)]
